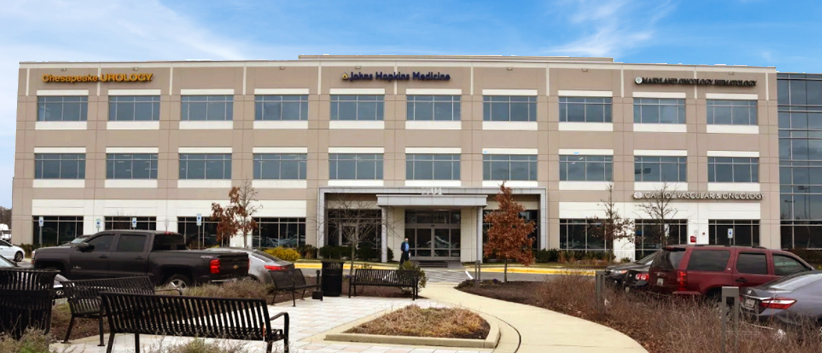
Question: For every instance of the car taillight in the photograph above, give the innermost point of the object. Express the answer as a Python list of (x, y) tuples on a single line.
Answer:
[(642, 277), (681, 280), (274, 267), (777, 303), (215, 266)]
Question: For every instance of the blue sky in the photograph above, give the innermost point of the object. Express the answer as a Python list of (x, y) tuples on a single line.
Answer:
[(784, 34)]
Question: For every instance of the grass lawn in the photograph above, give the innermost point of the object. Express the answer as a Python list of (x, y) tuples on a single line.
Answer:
[(431, 322)]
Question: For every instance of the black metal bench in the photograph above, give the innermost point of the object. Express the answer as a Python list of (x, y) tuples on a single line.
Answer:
[(385, 278), (26, 299), (170, 315), (291, 281), (83, 296)]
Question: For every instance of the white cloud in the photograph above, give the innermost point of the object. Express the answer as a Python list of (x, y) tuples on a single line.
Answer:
[(609, 27)]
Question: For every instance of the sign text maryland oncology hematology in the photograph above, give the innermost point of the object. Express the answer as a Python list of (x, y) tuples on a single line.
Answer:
[(100, 78), (693, 81), (396, 76)]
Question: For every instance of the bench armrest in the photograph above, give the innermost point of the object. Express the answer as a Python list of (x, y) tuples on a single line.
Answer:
[(178, 290), (285, 314)]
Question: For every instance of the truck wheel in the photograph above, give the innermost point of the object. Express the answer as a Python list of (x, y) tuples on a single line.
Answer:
[(18, 256), (179, 281)]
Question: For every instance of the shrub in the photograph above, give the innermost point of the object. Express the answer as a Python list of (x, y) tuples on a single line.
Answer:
[(33, 341), (332, 252), (390, 255), (408, 265), (307, 251), (544, 256), (282, 253), (811, 256), (200, 346), (366, 252), (240, 289)]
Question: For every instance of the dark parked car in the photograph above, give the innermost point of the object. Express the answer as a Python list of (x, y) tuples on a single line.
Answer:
[(616, 273), (636, 280), (790, 300), (160, 255), (704, 269)]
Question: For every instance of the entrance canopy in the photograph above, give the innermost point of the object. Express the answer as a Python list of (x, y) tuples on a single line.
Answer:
[(432, 200)]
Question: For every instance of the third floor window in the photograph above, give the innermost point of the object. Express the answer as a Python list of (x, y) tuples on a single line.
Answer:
[(733, 170), (660, 169), (134, 108), (586, 168), (279, 166), (364, 108), (131, 166), (59, 166), (432, 167), (290, 107), (509, 167), (62, 108), (731, 112), (436, 108), (347, 166), (207, 108), (659, 111), (585, 109), (509, 108), (195, 166)]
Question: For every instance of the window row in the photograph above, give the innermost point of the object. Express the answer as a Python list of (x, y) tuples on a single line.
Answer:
[(349, 166), (372, 108)]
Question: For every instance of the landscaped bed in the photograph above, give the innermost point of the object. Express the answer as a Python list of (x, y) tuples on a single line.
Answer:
[(430, 322)]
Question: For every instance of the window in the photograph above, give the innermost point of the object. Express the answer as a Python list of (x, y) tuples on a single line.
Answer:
[(366, 108), (669, 259), (649, 234), (168, 241), (509, 167), (342, 225), (660, 169), (281, 107), (194, 235), (733, 170), (659, 111), (432, 167), (205, 166), (752, 263), (134, 108), (509, 108), (355, 166), (585, 109), (101, 243), (577, 234), (280, 166), (586, 168), (745, 232), (528, 216), (57, 229), (124, 222), (131, 243), (438, 108), (131, 166), (786, 265), (59, 166), (729, 112), (58, 108), (207, 108), (285, 232), (708, 260)]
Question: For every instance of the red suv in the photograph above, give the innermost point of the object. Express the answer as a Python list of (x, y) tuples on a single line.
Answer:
[(704, 269)]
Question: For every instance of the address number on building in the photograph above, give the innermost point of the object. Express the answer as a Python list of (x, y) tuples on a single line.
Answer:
[(432, 191)]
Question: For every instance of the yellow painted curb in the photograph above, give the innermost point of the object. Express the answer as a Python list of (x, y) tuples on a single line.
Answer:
[(542, 271), (316, 266)]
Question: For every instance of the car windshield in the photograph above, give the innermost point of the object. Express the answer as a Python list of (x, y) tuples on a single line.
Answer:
[(4, 243), (5, 262), (265, 256), (79, 240), (647, 259), (792, 283)]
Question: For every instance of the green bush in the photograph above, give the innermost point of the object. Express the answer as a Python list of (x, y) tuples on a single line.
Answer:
[(811, 256), (307, 251), (408, 265), (282, 253), (332, 252), (367, 252), (33, 341), (544, 256)]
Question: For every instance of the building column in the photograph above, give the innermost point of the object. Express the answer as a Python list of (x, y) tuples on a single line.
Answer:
[(384, 235), (479, 233)]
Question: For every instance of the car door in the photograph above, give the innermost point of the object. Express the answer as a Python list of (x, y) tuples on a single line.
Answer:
[(6, 250), (129, 256), (93, 262), (751, 269)]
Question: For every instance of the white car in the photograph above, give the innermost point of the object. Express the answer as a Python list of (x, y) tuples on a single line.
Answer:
[(10, 251)]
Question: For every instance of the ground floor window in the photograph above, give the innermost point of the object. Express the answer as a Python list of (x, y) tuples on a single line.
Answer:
[(577, 234), (274, 232), (649, 235), (799, 234), (198, 237), (528, 215), (57, 229), (345, 226), (745, 232), (124, 222)]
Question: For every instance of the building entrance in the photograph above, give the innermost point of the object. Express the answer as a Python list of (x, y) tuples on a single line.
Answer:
[(433, 234)]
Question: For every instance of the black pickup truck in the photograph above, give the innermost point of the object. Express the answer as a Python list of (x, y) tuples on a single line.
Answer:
[(160, 255)]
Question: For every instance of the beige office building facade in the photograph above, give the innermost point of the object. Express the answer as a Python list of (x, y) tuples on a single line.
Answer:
[(423, 142)]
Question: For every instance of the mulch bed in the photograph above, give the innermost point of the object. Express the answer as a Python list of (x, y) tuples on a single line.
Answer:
[(430, 322)]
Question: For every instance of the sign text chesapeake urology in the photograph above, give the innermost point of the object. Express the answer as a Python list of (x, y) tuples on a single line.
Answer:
[(100, 78)]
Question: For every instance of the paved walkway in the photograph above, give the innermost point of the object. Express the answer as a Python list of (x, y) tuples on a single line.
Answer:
[(540, 330)]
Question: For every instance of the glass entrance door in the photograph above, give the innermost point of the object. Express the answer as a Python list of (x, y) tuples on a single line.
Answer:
[(433, 234)]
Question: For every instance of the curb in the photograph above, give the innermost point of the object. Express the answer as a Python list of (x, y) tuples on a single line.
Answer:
[(542, 271)]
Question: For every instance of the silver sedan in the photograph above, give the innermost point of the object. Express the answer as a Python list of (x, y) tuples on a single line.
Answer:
[(261, 263)]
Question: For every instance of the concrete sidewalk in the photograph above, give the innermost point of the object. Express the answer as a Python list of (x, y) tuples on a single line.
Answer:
[(540, 330)]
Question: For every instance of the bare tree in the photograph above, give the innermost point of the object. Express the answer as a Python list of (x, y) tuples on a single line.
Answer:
[(657, 207), (237, 216), (612, 226), (355, 221), (5, 216)]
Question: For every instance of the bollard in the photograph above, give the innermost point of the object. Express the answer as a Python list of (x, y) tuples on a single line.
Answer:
[(477, 270), (730, 301), (600, 286)]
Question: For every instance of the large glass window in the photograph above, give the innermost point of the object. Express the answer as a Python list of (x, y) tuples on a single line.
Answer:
[(57, 229), (731, 112), (649, 235), (733, 170), (292, 107), (274, 232), (578, 234), (585, 109), (586, 168), (205, 166), (355, 166), (131, 166), (134, 108), (659, 111), (509, 108), (528, 216), (280, 166), (509, 167), (432, 167), (745, 232), (124, 222), (438, 108), (366, 108), (62, 108), (194, 235), (207, 108), (59, 166), (660, 169)]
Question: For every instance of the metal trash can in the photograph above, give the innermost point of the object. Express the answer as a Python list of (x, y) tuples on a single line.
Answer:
[(332, 278)]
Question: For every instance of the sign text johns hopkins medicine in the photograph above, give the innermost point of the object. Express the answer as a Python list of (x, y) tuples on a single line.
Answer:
[(396, 76)]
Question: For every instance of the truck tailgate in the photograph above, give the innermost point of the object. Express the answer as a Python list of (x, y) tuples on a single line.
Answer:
[(232, 265)]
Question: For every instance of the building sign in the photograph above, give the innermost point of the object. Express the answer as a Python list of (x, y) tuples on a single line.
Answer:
[(432, 191), (396, 76), (100, 78), (693, 81), (639, 195)]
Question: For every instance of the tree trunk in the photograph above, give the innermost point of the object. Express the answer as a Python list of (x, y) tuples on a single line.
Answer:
[(505, 272), (351, 270)]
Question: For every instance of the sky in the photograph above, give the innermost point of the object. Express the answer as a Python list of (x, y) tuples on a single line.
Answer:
[(783, 34)]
